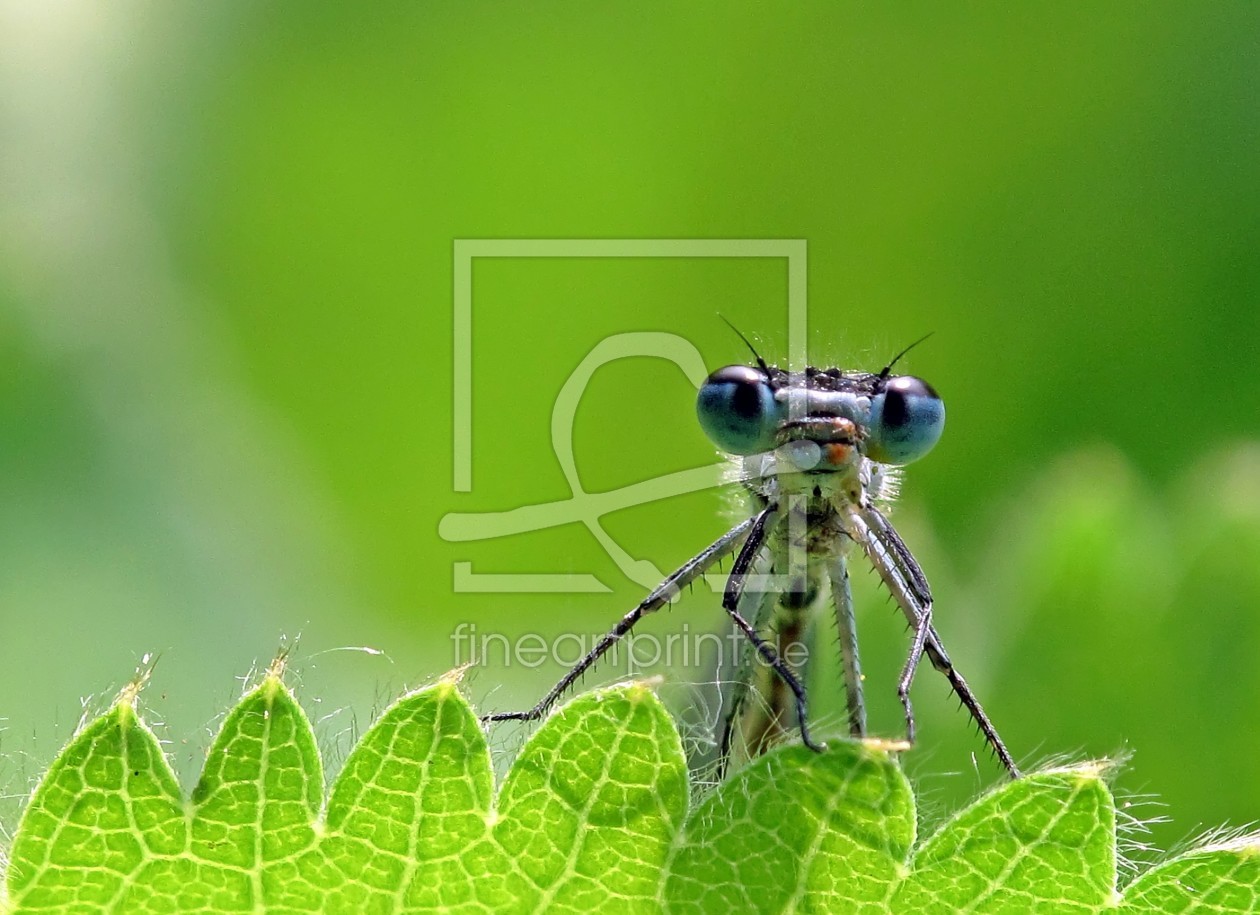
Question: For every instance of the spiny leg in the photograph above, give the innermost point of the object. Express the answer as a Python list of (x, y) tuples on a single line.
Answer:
[(846, 623), (739, 695), (789, 617), (940, 660), (916, 592), (730, 603), (905, 580), (745, 669), (799, 591), (788, 594), (908, 670), (752, 562), (915, 598), (662, 595)]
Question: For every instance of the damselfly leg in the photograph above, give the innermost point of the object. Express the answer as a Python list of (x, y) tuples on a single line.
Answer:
[(664, 593)]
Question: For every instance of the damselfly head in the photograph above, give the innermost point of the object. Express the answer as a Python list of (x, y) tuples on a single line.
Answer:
[(832, 414)]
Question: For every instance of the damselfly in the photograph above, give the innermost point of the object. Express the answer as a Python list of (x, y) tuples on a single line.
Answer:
[(819, 452)]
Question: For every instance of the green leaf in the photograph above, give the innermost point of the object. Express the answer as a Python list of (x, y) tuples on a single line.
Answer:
[(592, 817), (407, 818), (108, 810), (1216, 878), (1046, 843), (797, 831), (591, 805)]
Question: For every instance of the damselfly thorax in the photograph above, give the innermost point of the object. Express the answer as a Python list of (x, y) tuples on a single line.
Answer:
[(819, 453)]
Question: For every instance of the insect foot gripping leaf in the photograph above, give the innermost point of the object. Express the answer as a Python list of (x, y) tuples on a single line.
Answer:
[(592, 817)]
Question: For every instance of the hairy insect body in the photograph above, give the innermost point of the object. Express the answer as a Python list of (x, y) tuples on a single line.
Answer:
[(816, 531), (818, 452)]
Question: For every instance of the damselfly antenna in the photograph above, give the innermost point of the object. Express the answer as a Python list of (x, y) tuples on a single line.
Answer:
[(761, 363), (897, 358)]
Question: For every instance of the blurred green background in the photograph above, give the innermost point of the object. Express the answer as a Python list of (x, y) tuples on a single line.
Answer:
[(226, 347)]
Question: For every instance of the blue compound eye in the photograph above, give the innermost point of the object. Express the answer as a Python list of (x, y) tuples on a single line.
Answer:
[(737, 410), (907, 418)]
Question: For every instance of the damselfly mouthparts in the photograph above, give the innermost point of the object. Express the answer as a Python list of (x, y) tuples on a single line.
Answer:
[(819, 453)]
